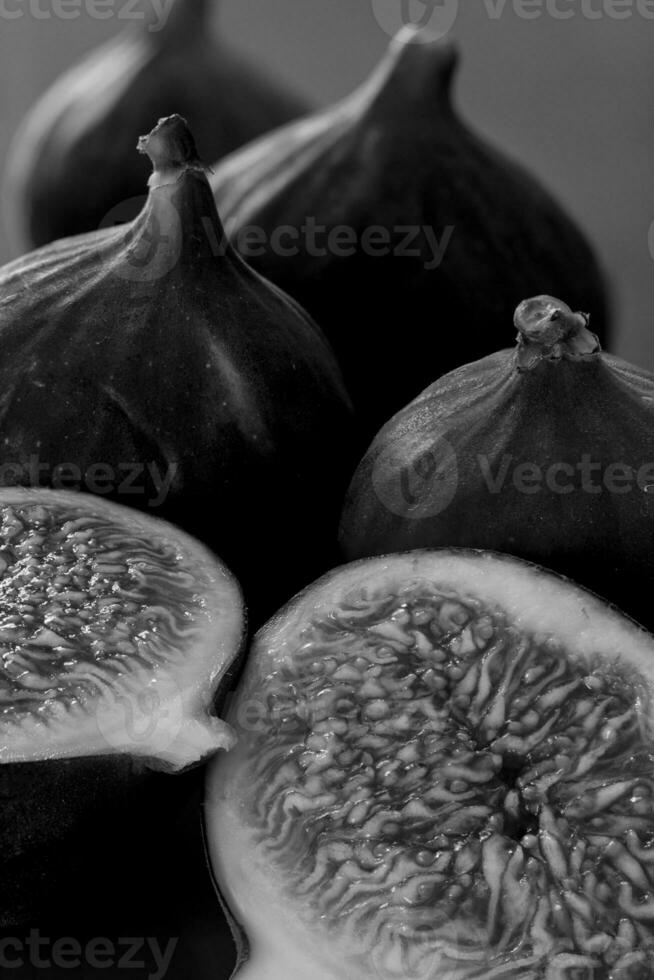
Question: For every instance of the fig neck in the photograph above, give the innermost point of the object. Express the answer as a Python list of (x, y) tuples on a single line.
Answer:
[(172, 151), (180, 211), (416, 75), (548, 330)]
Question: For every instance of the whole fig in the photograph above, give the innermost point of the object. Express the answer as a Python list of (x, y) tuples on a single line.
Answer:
[(70, 165), (545, 451), (150, 364), (390, 221)]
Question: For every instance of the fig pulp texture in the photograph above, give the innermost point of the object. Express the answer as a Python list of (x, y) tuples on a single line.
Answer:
[(406, 237), (151, 364), (444, 769), (116, 632), (545, 451), (71, 167)]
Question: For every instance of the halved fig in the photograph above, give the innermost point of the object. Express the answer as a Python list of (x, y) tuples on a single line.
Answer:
[(445, 769), (116, 631)]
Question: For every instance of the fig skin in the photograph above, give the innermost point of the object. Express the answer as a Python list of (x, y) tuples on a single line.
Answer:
[(71, 163), (287, 926), (395, 155), (153, 345), (523, 452)]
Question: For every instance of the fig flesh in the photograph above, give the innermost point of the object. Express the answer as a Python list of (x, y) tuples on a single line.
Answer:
[(392, 224), (71, 168), (150, 364), (117, 632), (444, 769), (545, 451)]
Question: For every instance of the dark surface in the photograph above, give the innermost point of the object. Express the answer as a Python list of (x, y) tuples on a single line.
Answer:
[(163, 899)]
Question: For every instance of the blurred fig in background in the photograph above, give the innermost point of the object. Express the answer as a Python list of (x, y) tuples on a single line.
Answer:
[(72, 161), (408, 238)]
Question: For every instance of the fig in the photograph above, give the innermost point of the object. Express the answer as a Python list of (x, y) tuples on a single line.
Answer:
[(545, 451), (148, 363), (117, 634), (390, 221), (443, 769), (70, 169)]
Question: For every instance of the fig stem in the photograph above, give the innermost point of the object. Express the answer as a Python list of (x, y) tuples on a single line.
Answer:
[(171, 149), (419, 67), (549, 330)]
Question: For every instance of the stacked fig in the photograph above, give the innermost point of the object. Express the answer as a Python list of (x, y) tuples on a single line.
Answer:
[(439, 758)]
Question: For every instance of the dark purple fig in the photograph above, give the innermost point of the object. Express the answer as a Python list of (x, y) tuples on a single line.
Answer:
[(406, 237), (443, 770), (72, 169), (117, 631), (545, 452), (150, 364)]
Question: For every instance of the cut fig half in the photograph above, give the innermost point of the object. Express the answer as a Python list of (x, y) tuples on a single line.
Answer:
[(115, 629), (117, 633), (444, 769)]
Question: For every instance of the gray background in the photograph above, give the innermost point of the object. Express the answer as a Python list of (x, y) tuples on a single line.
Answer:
[(572, 98)]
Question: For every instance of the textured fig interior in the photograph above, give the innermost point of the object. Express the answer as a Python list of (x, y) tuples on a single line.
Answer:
[(446, 794), (106, 620)]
